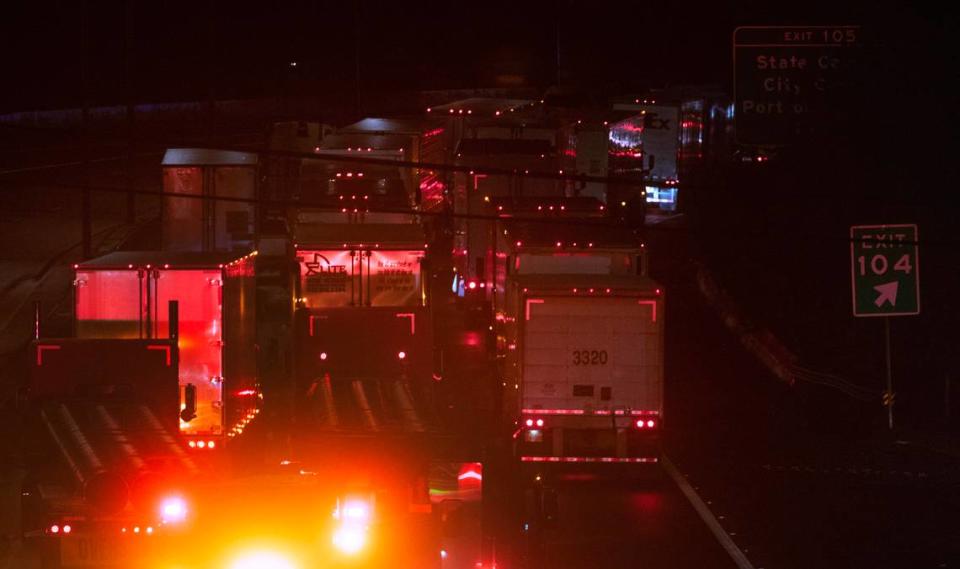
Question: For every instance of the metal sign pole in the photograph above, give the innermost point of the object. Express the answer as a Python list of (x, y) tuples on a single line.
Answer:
[(886, 328)]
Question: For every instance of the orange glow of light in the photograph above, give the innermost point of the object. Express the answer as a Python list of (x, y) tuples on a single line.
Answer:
[(349, 539), (261, 560)]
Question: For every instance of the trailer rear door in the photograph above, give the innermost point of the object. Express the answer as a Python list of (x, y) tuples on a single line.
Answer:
[(592, 353)]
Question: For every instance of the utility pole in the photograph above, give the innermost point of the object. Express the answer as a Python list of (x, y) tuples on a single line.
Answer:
[(357, 24), (86, 214), (212, 71), (130, 93), (886, 328)]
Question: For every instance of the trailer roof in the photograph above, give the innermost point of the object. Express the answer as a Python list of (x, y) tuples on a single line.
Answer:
[(537, 205), (207, 157), (586, 235), (566, 282), (176, 259), (402, 125), (362, 140), (386, 235), (503, 146), (480, 106)]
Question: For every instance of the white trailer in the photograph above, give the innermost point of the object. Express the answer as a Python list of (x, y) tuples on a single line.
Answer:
[(582, 345)]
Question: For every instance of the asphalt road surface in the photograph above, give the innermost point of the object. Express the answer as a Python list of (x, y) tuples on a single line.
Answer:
[(606, 522)]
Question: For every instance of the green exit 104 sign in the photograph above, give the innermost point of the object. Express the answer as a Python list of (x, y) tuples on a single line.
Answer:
[(885, 270)]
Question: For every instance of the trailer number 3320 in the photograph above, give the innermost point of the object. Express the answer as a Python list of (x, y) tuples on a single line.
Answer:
[(589, 357)]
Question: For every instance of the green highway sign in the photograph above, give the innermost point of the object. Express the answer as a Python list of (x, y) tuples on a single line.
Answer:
[(789, 80), (884, 270)]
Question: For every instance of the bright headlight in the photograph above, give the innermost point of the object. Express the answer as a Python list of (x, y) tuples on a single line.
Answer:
[(173, 510), (349, 538), (355, 511)]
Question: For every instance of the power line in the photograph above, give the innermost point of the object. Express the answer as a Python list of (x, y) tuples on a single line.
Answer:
[(595, 222), (601, 222), (440, 166)]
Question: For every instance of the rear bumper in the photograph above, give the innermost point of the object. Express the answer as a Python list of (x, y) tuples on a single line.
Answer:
[(562, 444)]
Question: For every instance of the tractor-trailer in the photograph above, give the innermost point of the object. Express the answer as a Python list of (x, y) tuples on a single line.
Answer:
[(584, 366)]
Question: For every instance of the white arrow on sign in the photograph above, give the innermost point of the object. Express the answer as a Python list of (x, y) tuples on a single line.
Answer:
[(888, 293)]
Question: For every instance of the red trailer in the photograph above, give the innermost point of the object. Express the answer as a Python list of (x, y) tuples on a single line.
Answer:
[(124, 296)]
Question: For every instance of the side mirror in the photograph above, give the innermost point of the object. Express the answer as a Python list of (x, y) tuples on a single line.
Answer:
[(189, 411)]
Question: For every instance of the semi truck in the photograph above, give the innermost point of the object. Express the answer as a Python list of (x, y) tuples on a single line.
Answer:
[(144, 451), (580, 331)]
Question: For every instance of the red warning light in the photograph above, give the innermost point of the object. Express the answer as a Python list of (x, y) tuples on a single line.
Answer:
[(402, 355)]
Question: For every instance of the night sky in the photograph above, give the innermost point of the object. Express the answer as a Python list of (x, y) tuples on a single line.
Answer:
[(166, 50)]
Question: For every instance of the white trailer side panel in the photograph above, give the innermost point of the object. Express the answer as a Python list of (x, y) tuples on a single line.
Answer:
[(592, 353)]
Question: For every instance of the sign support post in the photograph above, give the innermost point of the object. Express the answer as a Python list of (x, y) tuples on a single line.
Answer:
[(889, 398), (885, 282)]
